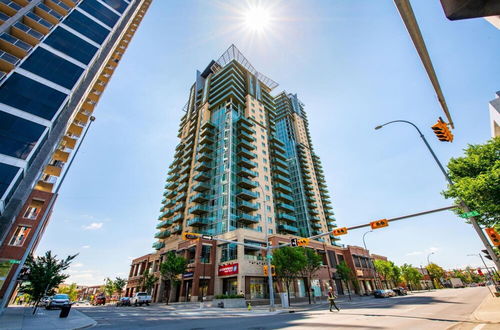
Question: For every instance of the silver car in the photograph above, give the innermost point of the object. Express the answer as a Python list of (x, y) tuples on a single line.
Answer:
[(57, 301)]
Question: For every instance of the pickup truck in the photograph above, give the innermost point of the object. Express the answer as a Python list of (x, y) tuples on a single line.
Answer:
[(140, 298)]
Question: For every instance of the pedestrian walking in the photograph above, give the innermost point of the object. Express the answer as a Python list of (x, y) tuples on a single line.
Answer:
[(331, 299)]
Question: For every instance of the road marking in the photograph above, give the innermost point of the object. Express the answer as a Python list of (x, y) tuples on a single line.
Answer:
[(479, 327)]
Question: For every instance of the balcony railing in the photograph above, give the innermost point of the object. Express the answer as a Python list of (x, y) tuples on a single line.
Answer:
[(247, 163), (26, 29), (158, 245), (286, 217), (287, 228), (247, 206), (178, 217), (202, 166), (247, 173), (198, 222), (198, 209), (202, 176), (247, 218), (280, 195), (16, 42), (245, 183), (164, 224), (286, 207), (8, 58), (247, 194), (283, 188)]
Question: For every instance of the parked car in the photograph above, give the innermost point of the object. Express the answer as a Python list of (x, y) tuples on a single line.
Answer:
[(124, 301), (44, 301), (57, 301), (100, 299), (400, 291), (383, 293), (140, 298)]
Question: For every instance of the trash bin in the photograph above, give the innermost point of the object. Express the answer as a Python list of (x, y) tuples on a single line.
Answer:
[(284, 299), (65, 310)]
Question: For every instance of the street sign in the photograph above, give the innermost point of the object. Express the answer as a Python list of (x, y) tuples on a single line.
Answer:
[(293, 242), (469, 214), (12, 261), (208, 237), (270, 257)]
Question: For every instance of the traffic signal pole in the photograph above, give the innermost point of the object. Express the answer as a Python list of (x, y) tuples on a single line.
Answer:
[(473, 220)]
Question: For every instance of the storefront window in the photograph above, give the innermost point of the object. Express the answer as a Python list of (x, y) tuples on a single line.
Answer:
[(301, 292), (229, 252), (230, 285), (258, 288), (316, 288)]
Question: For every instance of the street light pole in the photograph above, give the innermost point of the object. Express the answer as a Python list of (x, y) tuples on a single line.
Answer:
[(269, 255), (428, 262), (364, 243), (473, 220), (374, 269)]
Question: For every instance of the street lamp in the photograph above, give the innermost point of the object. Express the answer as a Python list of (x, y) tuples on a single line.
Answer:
[(473, 220), (364, 243), (428, 262), (375, 270)]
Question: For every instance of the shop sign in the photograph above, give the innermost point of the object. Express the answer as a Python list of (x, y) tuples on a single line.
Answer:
[(230, 269), (188, 274)]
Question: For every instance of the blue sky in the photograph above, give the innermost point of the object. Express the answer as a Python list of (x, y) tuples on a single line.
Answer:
[(353, 65)]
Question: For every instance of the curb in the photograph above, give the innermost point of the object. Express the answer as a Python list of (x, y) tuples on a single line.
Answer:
[(93, 324)]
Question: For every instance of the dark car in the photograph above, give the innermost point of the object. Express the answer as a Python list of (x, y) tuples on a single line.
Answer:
[(383, 293), (124, 301), (99, 300), (57, 301), (400, 291)]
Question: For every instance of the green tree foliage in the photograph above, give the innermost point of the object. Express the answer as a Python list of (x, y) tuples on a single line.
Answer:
[(395, 274), (109, 287), (411, 276), (384, 268), (289, 262), (70, 290), (436, 273), (170, 269), (476, 178), (118, 284), (345, 274), (313, 264), (45, 274), (148, 281)]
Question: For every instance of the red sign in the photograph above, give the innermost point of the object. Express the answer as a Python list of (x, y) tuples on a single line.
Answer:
[(230, 269), (480, 272)]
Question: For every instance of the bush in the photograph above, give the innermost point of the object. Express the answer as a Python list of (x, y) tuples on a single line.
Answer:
[(229, 296)]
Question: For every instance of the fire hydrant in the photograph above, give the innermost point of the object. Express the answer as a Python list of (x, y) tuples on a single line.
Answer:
[(249, 307)]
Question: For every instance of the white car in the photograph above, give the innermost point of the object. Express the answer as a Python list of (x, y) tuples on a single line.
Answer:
[(140, 298), (57, 301)]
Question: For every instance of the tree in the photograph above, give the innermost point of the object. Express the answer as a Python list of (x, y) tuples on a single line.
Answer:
[(45, 274), (313, 264), (118, 284), (384, 268), (436, 273), (109, 287), (411, 276), (70, 290), (476, 178), (148, 281), (345, 274), (170, 269), (289, 263), (395, 274)]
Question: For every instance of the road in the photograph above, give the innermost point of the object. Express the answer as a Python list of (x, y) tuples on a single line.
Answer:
[(424, 310)]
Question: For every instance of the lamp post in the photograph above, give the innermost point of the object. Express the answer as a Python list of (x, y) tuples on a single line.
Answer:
[(364, 244), (269, 255), (473, 220), (428, 262)]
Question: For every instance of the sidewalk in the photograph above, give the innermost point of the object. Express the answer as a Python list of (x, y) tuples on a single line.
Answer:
[(17, 318), (489, 310)]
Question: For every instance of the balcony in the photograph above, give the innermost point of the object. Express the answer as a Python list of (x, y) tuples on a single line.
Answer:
[(164, 224), (26, 33), (9, 7), (59, 5), (170, 193), (329, 212), (177, 229), (187, 160), (308, 182), (200, 187), (309, 192), (165, 214), (202, 166), (276, 140), (203, 157), (281, 179), (247, 206), (199, 198), (33, 20), (247, 173), (286, 217), (316, 225), (244, 135), (281, 170), (288, 228), (243, 152), (279, 155), (206, 148), (249, 184), (247, 194), (158, 245), (313, 212), (331, 224), (246, 126), (282, 188), (245, 162), (178, 217), (283, 196), (198, 222), (199, 209), (207, 132), (207, 140), (179, 207), (247, 218), (47, 13), (14, 46), (185, 170), (182, 187), (286, 207), (314, 218), (163, 234), (280, 162), (184, 178), (202, 176), (173, 177), (246, 144), (312, 205), (327, 206)]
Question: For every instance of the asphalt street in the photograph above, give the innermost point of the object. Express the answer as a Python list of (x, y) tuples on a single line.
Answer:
[(439, 309)]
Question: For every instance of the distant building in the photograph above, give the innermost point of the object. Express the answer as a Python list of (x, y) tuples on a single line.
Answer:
[(495, 115)]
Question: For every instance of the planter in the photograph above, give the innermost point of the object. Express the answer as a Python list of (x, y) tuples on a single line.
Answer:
[(228, 303)]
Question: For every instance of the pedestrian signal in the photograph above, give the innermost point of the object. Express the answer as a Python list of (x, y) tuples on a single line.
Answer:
[(339, 231), (379, 223)]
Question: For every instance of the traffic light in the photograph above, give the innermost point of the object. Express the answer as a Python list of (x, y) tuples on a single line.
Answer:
[(379, 223), (293, 242), (339, 231), (303, 241), (462, 9), (190, 236), (273, 270), (494, 236), (442, 131), (487, 254), (480, 272)]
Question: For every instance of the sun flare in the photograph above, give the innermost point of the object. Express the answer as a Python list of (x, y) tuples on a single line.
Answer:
[(257, 18)]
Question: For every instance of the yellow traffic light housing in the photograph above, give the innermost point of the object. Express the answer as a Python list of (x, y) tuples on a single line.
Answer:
[(266, 270), (339, 231), (379, 223), (494, 236), (190, 236), (442, 131), (303, 241)]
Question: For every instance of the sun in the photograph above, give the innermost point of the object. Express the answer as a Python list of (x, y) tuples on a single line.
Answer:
[(257, 18)]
